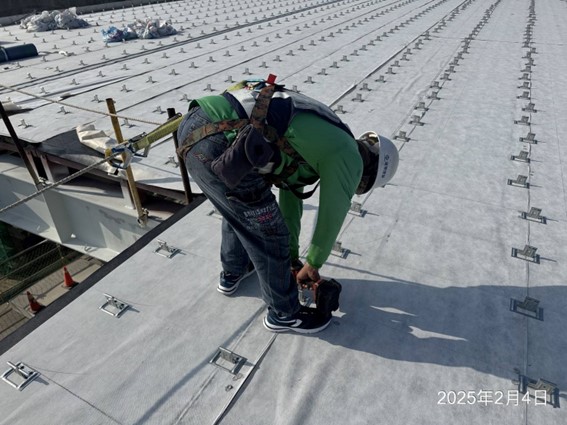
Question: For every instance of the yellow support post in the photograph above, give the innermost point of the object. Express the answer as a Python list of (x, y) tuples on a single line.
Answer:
[(142, 213)]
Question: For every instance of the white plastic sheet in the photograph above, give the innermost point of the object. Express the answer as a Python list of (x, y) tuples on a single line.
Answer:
[(149, 28), (49, 21)]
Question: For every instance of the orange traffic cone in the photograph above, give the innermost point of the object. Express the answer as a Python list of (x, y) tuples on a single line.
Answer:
[(34, 305), (68, 281)]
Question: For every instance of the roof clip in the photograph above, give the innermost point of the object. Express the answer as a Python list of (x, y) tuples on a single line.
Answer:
[(114, 306), (534, 215), (215, 213), (542, 391), (228, 360), (525, 120), (521, 157), (165, 250), (356, 209), (339, 251), (23, 374), (402, 135), (529, 307), (528, 253), (416, 120), (521, 181), (171, 160), (530, 138)]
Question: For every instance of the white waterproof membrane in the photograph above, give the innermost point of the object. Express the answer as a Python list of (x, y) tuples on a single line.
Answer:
[(434, 325)]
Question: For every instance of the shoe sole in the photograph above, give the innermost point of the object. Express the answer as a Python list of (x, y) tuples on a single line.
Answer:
[(229, 291), (279, 329), (236, 285)]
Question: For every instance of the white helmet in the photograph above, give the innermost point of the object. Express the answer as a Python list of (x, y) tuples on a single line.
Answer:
[(380, 158)]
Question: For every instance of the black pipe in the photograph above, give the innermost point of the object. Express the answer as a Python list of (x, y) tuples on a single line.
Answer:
[(182, 167), (21, 151), (13, 53)]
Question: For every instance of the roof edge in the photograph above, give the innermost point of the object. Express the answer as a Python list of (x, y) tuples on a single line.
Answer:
[(52, 309)]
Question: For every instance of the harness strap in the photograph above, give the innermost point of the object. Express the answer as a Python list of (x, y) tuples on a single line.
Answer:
[(258, 120), (299, 194), (207, 130), (260, 109)]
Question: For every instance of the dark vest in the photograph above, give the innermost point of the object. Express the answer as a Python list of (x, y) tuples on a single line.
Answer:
[(285, 104)]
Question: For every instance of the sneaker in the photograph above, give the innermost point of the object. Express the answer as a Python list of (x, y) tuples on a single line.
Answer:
[(228, 283), (305, 321)]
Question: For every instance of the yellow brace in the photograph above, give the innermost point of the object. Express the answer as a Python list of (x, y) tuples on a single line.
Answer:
[(141, 142)]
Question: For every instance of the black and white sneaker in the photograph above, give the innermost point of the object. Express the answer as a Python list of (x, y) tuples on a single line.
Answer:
[(228, 282), (305, 321)]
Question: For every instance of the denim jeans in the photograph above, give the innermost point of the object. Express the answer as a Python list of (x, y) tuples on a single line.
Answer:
[(253, 228)]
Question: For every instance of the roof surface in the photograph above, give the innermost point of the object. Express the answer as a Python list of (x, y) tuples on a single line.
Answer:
[(434, 266)]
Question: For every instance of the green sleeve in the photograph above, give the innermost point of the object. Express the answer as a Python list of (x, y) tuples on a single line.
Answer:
[(340, 176), (292, 210), (333, 155)]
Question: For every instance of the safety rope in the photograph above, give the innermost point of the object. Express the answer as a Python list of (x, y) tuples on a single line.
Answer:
[(59, 183), (132, 146), (94, 111)]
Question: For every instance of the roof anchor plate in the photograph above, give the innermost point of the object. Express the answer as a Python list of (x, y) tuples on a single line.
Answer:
[(165, 250), (529, 307), (114, 306), (21, 373), (228, 360)]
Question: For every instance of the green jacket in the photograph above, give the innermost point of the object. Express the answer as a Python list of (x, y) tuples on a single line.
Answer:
[(331, 154)]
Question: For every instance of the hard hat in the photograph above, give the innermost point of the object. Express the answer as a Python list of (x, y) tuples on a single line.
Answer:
[(380, 158)]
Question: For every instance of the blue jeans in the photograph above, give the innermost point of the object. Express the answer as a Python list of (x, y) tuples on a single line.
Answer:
[(253, 228)]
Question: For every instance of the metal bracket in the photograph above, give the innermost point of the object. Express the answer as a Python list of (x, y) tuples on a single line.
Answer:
[(521, 157), (214, 213), (525, 120), (136, 139), (402, 135), (534, 215), (165, 250), (339, 251), (525, 384), (521, 181), (171, 160), (530, 138), (530, 107), (25, 375), (421, 106), (356, 209), (416, 120), (114, 306), (228, 360), (529, 307), (528, 254)]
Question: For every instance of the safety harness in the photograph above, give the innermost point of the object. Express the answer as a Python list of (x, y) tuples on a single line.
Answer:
[(258, 121)]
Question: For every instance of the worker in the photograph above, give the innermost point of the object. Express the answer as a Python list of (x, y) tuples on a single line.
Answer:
[(255, 134)]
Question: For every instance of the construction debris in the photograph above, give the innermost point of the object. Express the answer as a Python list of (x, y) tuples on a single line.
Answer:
[(49, 21), (149, 28)]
